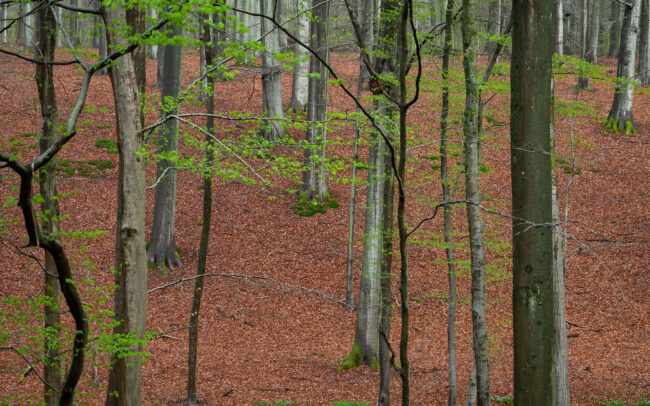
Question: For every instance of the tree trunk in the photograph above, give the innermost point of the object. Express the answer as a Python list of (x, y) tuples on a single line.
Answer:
[(162, 250), (532, 201), (152, 51), (192, 359), (615, 33), (594, 30), (644, 44), (135, 18), (494, 24), (3, 24), (45, 50), (124, 386), (314, 175), (446, 197), (475, 223), (301, 67), (100, 34), (271, 127), (558, 27), (620, 116), (74, 26)]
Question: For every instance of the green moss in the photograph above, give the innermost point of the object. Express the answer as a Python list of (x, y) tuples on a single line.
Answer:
[(353, 359), (333, 203), (306, 213), (109, 145)]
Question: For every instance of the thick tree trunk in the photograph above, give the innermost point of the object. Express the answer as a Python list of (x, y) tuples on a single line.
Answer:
[(271, 127), (620, 116), (162, 250), (532, 201), (594, 30), (644, 44), (315, 175), (615, 32), (446, 196), (475, 223), (301, 67), (45, 50), (558, 27), (135, 18), (124, 387)]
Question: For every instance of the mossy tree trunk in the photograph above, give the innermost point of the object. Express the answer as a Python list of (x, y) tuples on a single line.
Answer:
[(45, 50), (475, 223), (315, 175), (620, 116), (532, 202)]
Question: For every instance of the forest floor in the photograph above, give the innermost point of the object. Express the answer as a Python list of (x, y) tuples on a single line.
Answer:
[(262, 341)]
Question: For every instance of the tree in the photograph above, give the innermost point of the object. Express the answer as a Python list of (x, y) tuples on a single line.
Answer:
[(620, 116), (594, 30), (44, 52), (124, 386), (558, 27), (615, 31), (271, 128), (644, 44), (162, 250), (301, 67), (532, 203), (472, 195), (314, 175), (583, 80)]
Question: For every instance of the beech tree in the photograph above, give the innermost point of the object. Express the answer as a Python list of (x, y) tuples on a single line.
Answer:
[(532, 203), (162, 250), (299, 92), (271, 129), (620, 115), (644, 44)]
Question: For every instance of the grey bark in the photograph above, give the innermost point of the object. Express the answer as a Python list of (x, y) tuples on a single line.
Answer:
[(271, 128), (583, 80), (446, 196), (124, 386), (620, 116), (494, 24), (644, 44), (299, 93), (532, 201), (594, 30), (192, 359), (475, 223), (315, 175), (615, 31), (45, 50), (558, 27), (135, 18), (162, 250), (3, 24)]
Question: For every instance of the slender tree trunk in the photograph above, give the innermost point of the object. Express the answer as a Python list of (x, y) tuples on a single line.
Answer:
[(620, 116), (152, 50), (494, 24), (594, 30), (560, 345), (472, 195), (644, 44), (3, 24), (314, 175), (100, 34), (74, 24), (271, 129), (124, 387), (615, 32), (471, 387), (192, 386), (558, 27), (583, 80), (446, 196), (301, 67), (532, 201), (162, 250), (45, 50)]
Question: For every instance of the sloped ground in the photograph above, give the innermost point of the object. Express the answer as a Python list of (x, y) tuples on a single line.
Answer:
[(261, 341)]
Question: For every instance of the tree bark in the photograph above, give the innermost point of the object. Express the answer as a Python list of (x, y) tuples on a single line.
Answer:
[(494, 24), (271, 127), (446, 197), (315, 175), (620, 116), (135, 18), (475, 223), (192, 359), (558, 27), (301, 67), (162, 250), (124, 387), (532, 201), (45, 50), (583, 80), (644, 44), (594, 30), (615, 33)]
